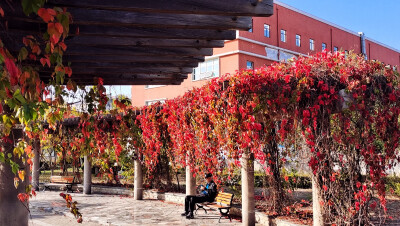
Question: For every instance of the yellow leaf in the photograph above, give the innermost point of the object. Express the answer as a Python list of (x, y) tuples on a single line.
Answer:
[(16, 182), (21, 175)]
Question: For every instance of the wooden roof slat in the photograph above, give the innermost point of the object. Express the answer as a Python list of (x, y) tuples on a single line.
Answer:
[(132, 64), (124, 31), (127, 81), (153, 42), (142, 59), (209, 7), (107, 71), (137, 51), (160, 20), (138, 19), (126, 76)]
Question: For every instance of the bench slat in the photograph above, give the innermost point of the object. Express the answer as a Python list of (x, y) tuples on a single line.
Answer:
[(62, 179)]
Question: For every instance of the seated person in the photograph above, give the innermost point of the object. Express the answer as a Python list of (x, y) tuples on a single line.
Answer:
[(207, 194)]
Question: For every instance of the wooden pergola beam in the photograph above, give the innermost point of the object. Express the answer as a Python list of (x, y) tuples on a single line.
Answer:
[(96, 17), (137, 51), (142, 59), (132, 64), (126, 70), (124, 31), (158, 20), (151, 42), (209, 7)]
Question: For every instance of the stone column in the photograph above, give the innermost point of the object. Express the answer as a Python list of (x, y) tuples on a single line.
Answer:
[(36, 165), (190, 182), (138, 184), (87, 176), (248, 205), (12, 210), (318, 218)]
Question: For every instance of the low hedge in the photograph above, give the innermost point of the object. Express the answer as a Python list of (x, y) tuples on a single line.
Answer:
[(290, 181)]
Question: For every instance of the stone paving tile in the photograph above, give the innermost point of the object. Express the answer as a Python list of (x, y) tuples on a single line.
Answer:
[(115, 210)]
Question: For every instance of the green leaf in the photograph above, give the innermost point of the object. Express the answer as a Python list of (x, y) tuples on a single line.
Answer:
[(34, 115), (9, 155), (14, 167), (2, 158), (27, 113), (23, 54), (17, 95)]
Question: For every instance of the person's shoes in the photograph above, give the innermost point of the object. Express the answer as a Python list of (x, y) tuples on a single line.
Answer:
[(184, 214), (189, 216)]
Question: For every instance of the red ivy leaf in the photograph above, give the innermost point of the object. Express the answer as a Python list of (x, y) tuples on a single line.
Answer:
[(45, 61), (46, 14), (1, 12), (13, 70)]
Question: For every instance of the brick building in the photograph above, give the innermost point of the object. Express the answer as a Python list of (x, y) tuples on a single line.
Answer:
[(288, 33)]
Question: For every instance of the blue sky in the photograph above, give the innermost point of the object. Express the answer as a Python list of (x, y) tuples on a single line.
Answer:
[(379, 20)]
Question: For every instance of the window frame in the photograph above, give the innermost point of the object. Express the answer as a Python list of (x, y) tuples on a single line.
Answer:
[(283, 35), (312, 44), (251, 63), (215, 69), (298, 40), (269, 30), (323, 47)]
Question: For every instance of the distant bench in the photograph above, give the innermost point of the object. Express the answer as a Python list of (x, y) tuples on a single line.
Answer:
[(223, 202), (68, 181)]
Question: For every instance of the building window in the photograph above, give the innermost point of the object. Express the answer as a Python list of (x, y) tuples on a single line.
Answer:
[(152, 86), (250, 65), (335, 49), (150, 102), (298, 40), (251, 28), (266, 30), (323, 46), (206, 69), (311, 44), (283, 35)]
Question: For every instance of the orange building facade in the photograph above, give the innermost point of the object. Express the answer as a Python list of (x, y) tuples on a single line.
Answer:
[(286, 34)]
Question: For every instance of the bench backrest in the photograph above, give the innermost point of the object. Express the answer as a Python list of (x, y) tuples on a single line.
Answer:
[(224, 199), (62, 179)]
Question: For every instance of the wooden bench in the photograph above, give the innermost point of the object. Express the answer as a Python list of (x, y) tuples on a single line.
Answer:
[(223, 202), (69, 181)]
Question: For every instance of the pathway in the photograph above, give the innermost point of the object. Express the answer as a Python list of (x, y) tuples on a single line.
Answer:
[(48, 208)]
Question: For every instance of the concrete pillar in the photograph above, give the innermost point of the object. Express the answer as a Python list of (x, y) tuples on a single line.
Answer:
[(248, 205), (87, 176), (36, 165), (138, 184), (12, 210), (318, 219), (190, 182)]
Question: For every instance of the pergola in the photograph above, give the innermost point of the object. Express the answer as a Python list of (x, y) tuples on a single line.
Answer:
[(138, 42), (129, 42)]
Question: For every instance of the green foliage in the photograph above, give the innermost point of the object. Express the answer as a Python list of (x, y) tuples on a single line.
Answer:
[(392, 185)]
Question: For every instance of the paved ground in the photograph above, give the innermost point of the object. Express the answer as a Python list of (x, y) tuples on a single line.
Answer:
[(48, 208)]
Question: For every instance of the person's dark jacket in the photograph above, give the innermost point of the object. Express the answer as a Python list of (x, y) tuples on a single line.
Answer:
[(211, 191)]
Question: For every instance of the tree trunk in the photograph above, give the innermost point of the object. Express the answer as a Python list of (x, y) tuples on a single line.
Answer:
[(36, 165), (248, 204), (138, 184), (318, 217), (12, 210), (87, 176), (190, 182)]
